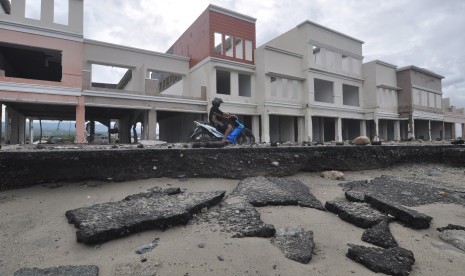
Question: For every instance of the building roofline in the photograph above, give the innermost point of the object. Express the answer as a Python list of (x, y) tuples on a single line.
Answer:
[(232, 13), (328, 30), (380, 62), (421, 70)]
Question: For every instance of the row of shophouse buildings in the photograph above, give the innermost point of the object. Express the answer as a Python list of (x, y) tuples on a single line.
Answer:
[(308, 84)]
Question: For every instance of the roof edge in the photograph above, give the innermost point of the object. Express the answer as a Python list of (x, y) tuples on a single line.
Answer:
[(308, 22), (232, 13), (421, 70)]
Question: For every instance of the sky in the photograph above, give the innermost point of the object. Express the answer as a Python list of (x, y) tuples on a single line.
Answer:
[(426, 33)]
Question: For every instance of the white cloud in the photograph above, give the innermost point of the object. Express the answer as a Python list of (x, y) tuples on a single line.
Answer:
[(425, 33)]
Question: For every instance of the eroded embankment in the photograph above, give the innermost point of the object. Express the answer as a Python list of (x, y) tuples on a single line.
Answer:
[(22, 169)]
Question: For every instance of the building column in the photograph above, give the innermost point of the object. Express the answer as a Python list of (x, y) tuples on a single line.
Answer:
[(363, 128), (322, 129), (18, 8), (47, 11), (338, 126), (265, 128), (301, 132), (124, 130), (256, 127), (31, 131), (397, 130), (150, 130), (411, 128), (385, 130), (308, 127), (80, 122), (429, 130)]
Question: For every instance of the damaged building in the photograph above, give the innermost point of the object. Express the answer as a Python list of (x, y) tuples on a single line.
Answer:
[(308, 84)]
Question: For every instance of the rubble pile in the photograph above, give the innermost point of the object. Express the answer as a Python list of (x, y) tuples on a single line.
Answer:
[(296, 244), (69, 270)]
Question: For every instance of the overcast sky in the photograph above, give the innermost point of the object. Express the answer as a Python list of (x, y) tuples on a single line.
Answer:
[(425, 33)]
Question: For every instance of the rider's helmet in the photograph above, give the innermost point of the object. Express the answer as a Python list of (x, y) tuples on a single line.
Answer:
[(217, 101)]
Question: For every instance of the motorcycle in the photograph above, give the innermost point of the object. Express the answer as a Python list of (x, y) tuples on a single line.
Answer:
[(205, 132)]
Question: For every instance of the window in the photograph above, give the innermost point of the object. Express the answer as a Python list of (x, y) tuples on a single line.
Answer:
[(285, 86), (218, 43), (33, 8), (165, 80), (431, 98), (245, 85), (296, 91), (438, 101), (424, 98), (20, 61), (274, 86), (323, 91), (223, 82), (239, 52), (345, 63), (61, 10), (350, 95), (416, 96), (317, 57), (248, 50), (111, 77), (228, 45)]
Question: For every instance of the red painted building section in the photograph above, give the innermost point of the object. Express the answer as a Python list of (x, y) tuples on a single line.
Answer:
[(235, 33)]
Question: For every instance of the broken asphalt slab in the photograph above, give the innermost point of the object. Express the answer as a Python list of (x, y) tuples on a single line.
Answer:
[(296, 244), (268, 191), (409, 217), (239, 218), (407, 193), (359, 214), (380, 235), (78, 270), (453, 234), (391, 261), (103, 222)]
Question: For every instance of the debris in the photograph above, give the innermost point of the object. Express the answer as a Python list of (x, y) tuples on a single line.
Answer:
[(296, 244), (359, 214), (434, 173), (454, 237), (147, 247), (409, 217), (275, 163), (391, 261), (221, 258), (201, 245), (333, 175), (361, 141), (380, 235), (107, 221)]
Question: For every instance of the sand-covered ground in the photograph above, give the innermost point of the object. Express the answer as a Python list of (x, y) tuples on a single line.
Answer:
[(34, 231)]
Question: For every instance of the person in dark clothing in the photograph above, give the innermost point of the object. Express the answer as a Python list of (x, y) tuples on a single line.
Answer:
[(220, 119)]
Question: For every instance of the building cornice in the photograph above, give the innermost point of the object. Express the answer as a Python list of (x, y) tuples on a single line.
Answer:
[(269, 48), (233, 63), (285, 105), (331, 74), (427, 89), (389, 87), (380, 62), (13, 26), (232, 13), (132, 49), (335, 49), (39, 89), (284, 76), (421, 70), (117, 106), (326, 29)]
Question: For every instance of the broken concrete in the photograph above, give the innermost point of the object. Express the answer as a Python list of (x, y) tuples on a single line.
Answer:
[(266, 191), (391, 261), (359, 214), (333, 175), (296, 244), (451, 227), (380, 235), (453, 234), (407, 216), (103, 222), (78, 270), (238, 217), (403, 192)]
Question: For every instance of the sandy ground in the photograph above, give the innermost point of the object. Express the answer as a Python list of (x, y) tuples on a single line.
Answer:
[(34, 231)]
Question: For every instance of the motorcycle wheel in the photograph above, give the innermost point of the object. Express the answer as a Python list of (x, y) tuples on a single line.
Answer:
[(201, 136), (246, 138)]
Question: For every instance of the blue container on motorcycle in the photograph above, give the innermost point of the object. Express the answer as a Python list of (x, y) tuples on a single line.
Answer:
[(235, 132)]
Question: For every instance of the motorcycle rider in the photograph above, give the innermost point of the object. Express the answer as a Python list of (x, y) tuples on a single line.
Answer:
[(220, 119)]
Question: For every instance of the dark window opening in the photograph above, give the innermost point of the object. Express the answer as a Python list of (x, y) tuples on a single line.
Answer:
[(18, 61), (245, 85), (223, 82)]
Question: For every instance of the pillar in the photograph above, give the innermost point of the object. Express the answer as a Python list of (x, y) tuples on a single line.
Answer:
[(151, 127), (256, 127), (363, 128), (322, 129), (80, 122), (429, 130), (411, 128), (338, 130), (385, 130), (265, 128), (18, 8), (397, 130), (301, 132), (124, 130), (309, 127), (31, 131)]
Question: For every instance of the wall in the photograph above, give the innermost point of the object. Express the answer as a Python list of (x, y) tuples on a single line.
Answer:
[(130, 164)]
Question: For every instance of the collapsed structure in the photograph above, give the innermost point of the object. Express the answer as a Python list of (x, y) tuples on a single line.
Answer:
[(308, 84)]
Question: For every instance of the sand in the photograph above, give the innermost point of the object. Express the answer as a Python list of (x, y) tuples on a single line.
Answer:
[(35, 233)]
